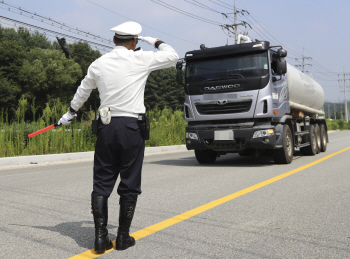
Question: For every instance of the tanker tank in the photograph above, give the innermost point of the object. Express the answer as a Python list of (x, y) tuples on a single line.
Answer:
[(305, 94)]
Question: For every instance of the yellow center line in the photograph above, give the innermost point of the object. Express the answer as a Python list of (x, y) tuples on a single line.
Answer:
[(188, 214)]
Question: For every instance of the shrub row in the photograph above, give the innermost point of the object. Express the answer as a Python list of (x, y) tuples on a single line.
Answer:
[(167, 128)]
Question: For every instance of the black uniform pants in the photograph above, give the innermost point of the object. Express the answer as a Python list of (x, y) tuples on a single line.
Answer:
[(119, 150)]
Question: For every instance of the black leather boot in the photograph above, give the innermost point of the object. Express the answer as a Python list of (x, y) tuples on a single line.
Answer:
[(100, 211), (126, 213)]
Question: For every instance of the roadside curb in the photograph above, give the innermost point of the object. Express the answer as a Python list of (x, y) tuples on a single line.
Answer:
[(26, 160), (40, 159)]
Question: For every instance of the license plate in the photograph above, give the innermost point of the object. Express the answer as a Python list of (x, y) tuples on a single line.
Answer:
[(223, 135)]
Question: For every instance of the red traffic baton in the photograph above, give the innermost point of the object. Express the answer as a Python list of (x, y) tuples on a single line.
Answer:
[(43, 130)]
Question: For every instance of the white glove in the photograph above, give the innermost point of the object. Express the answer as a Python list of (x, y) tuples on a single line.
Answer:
[(151, 41), (66, 118)]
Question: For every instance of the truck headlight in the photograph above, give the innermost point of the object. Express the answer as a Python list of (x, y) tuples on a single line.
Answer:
[(191, 135), (263, 133)]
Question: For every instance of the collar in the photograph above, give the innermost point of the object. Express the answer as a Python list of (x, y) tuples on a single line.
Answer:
[(120, 47)]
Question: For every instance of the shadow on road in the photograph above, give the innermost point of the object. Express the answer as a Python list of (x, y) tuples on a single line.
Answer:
[(83, 232), (229, 160)]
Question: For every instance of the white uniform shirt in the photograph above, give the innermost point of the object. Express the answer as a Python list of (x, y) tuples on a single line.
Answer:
[(121, 76)]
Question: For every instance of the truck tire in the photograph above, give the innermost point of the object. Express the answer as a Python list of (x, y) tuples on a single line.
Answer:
[(323, 138), (285, 154), (312, 149), (205, 156), (318, 138)]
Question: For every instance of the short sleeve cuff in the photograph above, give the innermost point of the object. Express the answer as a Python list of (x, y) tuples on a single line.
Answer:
[(158, 43)]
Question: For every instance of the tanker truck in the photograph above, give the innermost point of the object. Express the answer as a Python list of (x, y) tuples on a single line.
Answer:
[(246, 99)]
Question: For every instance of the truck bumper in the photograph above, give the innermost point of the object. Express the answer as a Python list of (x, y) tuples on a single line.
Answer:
[(242, 139)]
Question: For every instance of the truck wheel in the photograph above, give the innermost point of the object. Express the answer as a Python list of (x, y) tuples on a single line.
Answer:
[(318, 138), (312, 149), (205, 156), (323, 138), (285, 154)]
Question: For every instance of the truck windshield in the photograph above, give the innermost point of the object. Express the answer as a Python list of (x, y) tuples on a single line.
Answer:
[(224, 68)]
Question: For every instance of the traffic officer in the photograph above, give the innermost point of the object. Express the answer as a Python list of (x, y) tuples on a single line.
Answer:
[(120, 77)]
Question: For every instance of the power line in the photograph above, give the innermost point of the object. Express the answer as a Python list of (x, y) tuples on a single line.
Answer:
[(318, 71), (71, 28), (273, 36), (45, 47), (264, 36), (298, 55), (303, 62), (202, 6), (289, 49), (50, 31), (320, 78), (52, 22), (326, 69), (221, 4), (173, 8), (242, 12), (235, 25), (141, 23), (224, 3), (47, 34)]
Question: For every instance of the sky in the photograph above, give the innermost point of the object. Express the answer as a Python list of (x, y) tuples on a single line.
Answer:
[(319, 28)]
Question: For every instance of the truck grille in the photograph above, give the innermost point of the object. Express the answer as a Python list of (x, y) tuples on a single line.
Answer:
[(235, 107)]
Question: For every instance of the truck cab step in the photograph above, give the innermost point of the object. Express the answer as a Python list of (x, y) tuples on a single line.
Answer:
[(301, 133), (303, 145)]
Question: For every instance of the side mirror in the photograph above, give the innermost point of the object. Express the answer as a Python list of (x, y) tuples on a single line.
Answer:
[(179, 65), (281, 67), (282, 53), (179, 77), (179, 71)]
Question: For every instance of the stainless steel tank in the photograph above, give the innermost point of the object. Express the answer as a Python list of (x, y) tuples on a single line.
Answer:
[(305, 94)]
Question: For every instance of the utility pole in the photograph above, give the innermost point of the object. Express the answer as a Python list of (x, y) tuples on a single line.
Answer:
[(335, 113), (341, 112), (236, 35), (234, 27), (303, 64), (328, 112), (346, 102)]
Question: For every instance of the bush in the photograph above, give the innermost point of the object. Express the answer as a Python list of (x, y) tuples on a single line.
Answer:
[(167, 128), (338, 124)]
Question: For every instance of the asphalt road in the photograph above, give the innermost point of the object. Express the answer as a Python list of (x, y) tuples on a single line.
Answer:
[(45, 210)]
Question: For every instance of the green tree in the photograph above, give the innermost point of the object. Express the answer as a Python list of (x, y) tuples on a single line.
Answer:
[(47, 75), (9, 92), (163, 91), (84, 55), (11, 60), (31, 40), (25, 38)]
